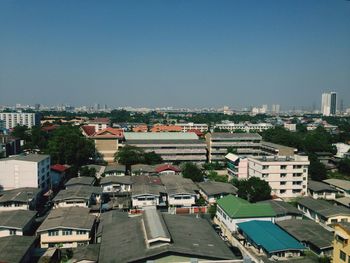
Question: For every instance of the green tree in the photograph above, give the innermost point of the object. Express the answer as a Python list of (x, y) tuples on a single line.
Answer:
[(344, 166), (254, 189), (21, 132), (231, 149), (214, 176), (68, 146), (86, 171), (193, 172), (129, 155), (212, 211), (152, 158), (317, 170)]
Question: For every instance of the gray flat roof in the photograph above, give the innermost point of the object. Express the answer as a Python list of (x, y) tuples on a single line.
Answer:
[(68, 217), (16, 219), (323, 207), (28, 158), (115, 167), (160, 136), (320, 187), (216, 188), (343, 201), (342, 184), (86, 253), (190, 236), (174, 141), (14, 248), (20, 195), (147, 185), (83, 180), (176, 184), (308, 231), (227, 135), (282, 208)]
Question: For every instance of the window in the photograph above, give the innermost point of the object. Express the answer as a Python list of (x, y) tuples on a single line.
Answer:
[(283, 175), (53, 233), (12, 232), (344, 220), (265, 175), (265, 167), (283, 183), (283, 167), (297, 183), (67, 232), (282, 191), (334, 220), (342, 256), (81, 232)]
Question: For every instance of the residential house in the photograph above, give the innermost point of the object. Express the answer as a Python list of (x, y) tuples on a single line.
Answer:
[(100, 169), (167, 169), (67, 227), (19, 199), (269, 239), (17, 249), (9, 145), (58, 174), (232, 210), (16, 222), (310, 234), (283, 210), (116, 184), (341, 244), (211, 190), (343, 186), (114, 170), (147, 191), (319, 190), (80, 181), (322, 211)]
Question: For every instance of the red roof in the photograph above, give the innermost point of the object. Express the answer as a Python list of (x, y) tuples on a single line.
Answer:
[(88, 130), (110, 133), (49, 128), (59, 168), (165, 167), (100, 120), (197, 132)]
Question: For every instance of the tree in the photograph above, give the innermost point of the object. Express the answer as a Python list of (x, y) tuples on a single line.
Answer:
[(317, 170), (214, 176), (344, 166), (193, 172), (212, 211), (86, 171), (68, 146), (231, 149), (129, 155), (152, 158), (254, 189), (21, 132)]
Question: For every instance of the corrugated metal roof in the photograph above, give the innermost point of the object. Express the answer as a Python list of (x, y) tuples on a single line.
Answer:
[(160, 136), (269, 236)]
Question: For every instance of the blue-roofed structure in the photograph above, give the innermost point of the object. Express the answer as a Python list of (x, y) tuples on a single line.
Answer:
[(270, 239)]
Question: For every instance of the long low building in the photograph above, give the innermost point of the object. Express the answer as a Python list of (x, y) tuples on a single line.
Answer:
[(17, 222), (19, 199), (171, 146)]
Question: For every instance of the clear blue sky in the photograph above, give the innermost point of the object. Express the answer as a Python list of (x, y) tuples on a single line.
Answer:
[(179, 53)]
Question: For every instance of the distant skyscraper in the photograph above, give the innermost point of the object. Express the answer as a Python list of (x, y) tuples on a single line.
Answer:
[(329, 104), (333, 103), (275, 108)]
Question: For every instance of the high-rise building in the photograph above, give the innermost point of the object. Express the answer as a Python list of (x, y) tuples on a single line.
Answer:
[(275, 108), (12, 119), (329, 104), (333, 103)]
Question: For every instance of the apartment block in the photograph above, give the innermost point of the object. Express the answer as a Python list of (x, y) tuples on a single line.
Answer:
[(246, 127), (243, 143), (32, 170), (67, 228), (12, 119), (286, 175), (171, 146), (193, 126)]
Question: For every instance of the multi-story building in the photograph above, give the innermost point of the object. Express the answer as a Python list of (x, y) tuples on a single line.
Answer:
[(99, 123), (12, 119), (341, 244), (16, 222), (243, 143), (286, 175), (9, 145), (246, 127), (193, 126), (329, 104), (19, 199), (67, 228), (32, 170), (171, 146)]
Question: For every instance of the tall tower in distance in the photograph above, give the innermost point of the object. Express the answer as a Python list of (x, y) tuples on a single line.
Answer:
[(329, 104)]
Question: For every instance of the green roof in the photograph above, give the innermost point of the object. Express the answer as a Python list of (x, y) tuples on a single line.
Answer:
[(236, 207)]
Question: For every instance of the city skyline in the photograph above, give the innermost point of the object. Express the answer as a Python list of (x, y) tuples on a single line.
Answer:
[(183, 53)]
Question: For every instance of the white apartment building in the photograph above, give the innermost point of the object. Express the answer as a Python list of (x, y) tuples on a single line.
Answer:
[(246, 126), (193, 126), (12, 119), (32, 170), (286, 175)]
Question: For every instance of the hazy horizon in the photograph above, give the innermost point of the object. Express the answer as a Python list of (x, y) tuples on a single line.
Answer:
[(174, 53)]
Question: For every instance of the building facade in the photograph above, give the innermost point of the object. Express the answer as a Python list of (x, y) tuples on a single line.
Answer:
[(12, 119)]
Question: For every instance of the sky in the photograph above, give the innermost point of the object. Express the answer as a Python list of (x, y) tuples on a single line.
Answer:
[(181, 53)]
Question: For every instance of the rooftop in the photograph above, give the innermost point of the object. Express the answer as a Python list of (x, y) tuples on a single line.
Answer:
[(82, 180), (16, 219), (345, 201), (147, 185), (14, 248), (27, 158), (68, 217), (282, 208), (308, 231), (19, 195), (269, 236), (216, 188), (342, 184), (236, 207), (323, 207), (159, 136), (190, 236), (227, 135), (176, 184), (77, 191), (59, 167), (115, 167), (116, 179), (320, 187), (165, 167)]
